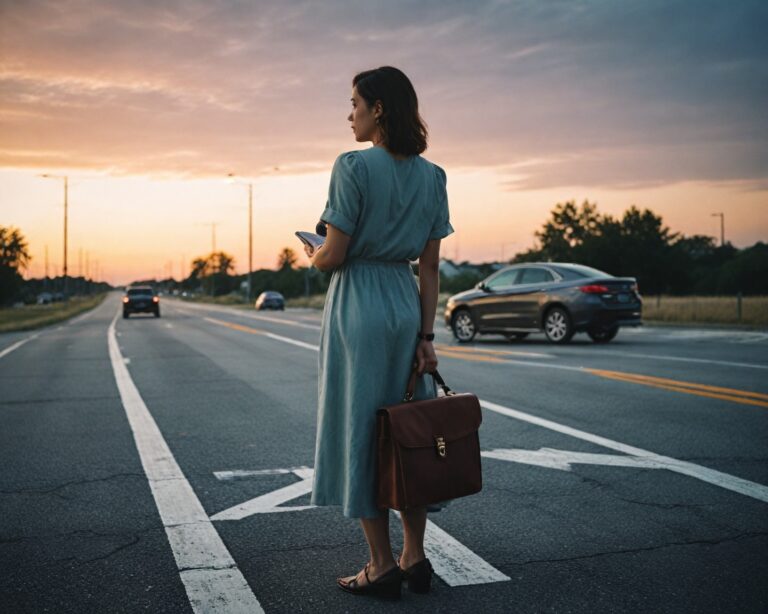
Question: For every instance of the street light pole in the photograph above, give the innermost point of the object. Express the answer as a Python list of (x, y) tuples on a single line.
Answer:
[(722, 227), (250, 238), (231, 179)]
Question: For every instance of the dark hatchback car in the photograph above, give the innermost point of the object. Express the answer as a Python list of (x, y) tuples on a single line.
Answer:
[(140, 299), (270, 300), (560, 299)]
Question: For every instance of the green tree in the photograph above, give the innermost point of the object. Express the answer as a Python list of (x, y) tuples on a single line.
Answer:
[(14, 257), (286, 259)]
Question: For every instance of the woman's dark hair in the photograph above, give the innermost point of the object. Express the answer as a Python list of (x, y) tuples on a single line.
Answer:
[(403, 130)]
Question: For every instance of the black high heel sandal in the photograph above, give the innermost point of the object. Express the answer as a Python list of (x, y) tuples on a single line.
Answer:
[(386, 586), (418, 576)]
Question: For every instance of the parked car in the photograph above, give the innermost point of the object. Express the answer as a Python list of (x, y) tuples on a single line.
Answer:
[(44, 298), (560, 299), (140, 299), (270, 300)]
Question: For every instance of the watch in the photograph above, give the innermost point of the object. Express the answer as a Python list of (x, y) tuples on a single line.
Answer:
[(426, 336)]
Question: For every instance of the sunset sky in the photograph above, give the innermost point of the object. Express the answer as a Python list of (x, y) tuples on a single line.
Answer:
[(147, 106)]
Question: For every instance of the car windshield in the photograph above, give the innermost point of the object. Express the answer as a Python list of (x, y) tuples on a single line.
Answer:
[(579, 271), (140, 292)]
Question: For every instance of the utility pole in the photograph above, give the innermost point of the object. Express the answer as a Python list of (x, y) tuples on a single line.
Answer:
[(213, 235), (46, 262), (66, 207), (722, 227)]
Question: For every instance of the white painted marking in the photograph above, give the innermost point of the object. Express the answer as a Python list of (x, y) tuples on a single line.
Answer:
[(210, 575), (717, 478), (168, 325), (127, 361), (456, 564), (239, 473), (82, 317), (491, 350), (268, 503), (724, 480), (563, 459), (18, 344), (301, 344), (252, 316), (725, 363)]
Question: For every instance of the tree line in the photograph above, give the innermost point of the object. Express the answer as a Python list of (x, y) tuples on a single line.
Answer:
[(638, 244)]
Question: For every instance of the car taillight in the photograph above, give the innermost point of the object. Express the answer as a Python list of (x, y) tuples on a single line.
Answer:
[(155, 299), (594, 289), (125, 299)]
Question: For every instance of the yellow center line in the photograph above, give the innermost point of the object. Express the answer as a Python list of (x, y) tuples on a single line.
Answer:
[(245, 329), (474, 350), (745, 397), (662, 381), (478, 358)]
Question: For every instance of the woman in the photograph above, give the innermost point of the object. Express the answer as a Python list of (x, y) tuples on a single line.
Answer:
[(386, 205)]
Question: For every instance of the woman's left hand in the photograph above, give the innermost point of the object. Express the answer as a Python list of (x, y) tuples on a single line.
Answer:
[(425, 357)]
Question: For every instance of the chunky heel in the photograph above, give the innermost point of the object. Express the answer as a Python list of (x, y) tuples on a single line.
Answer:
[(388, 586), (419, 577)]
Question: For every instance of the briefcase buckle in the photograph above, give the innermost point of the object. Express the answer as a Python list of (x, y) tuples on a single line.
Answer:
[(440, 443)]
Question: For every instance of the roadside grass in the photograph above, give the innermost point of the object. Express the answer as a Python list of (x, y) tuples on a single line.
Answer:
[(706, 310), (30, 317)]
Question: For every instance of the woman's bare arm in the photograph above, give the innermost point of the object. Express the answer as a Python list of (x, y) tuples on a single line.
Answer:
[(332, 253), (429, 286)]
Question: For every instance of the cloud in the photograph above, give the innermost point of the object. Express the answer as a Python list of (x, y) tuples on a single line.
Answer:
[(599, 93)]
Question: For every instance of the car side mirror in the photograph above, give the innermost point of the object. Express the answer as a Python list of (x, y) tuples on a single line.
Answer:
[(481, 286)]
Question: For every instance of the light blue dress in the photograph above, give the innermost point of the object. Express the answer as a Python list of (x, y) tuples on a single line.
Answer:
[(372, 313)]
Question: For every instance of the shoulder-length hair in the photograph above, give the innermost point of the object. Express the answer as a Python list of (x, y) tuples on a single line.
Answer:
[(403, 130)]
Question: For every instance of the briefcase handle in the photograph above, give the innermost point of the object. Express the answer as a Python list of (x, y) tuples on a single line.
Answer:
[(409, 391)]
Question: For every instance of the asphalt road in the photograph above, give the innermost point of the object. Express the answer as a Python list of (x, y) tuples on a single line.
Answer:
[(145, 463)]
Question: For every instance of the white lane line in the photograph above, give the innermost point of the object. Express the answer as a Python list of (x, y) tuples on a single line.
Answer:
[(725, 363), (82, 317), (18, 344), (245, 314), (718, 478), (210, 575), (724, 480), (301, 344), (456, 564)]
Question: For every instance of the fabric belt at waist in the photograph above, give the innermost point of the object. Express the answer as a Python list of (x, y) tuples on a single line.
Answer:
[(378, 262)]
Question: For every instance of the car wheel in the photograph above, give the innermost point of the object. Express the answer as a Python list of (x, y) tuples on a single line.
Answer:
[(157, 313), (603, 335), (126, 315), (517, 336), (464, 326), (557, 325)]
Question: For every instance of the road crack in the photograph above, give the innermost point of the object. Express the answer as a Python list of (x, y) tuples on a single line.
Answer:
[(709, 542)]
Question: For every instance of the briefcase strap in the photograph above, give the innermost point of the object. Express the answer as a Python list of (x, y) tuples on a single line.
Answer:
[(409, 391)]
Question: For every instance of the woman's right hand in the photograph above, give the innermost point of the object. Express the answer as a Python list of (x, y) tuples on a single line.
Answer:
[(426, 360)]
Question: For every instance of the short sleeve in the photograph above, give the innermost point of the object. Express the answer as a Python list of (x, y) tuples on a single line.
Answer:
[(345, 193), (441, 227)]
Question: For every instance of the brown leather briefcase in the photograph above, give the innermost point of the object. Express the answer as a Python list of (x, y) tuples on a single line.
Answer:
[(428, 451)]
